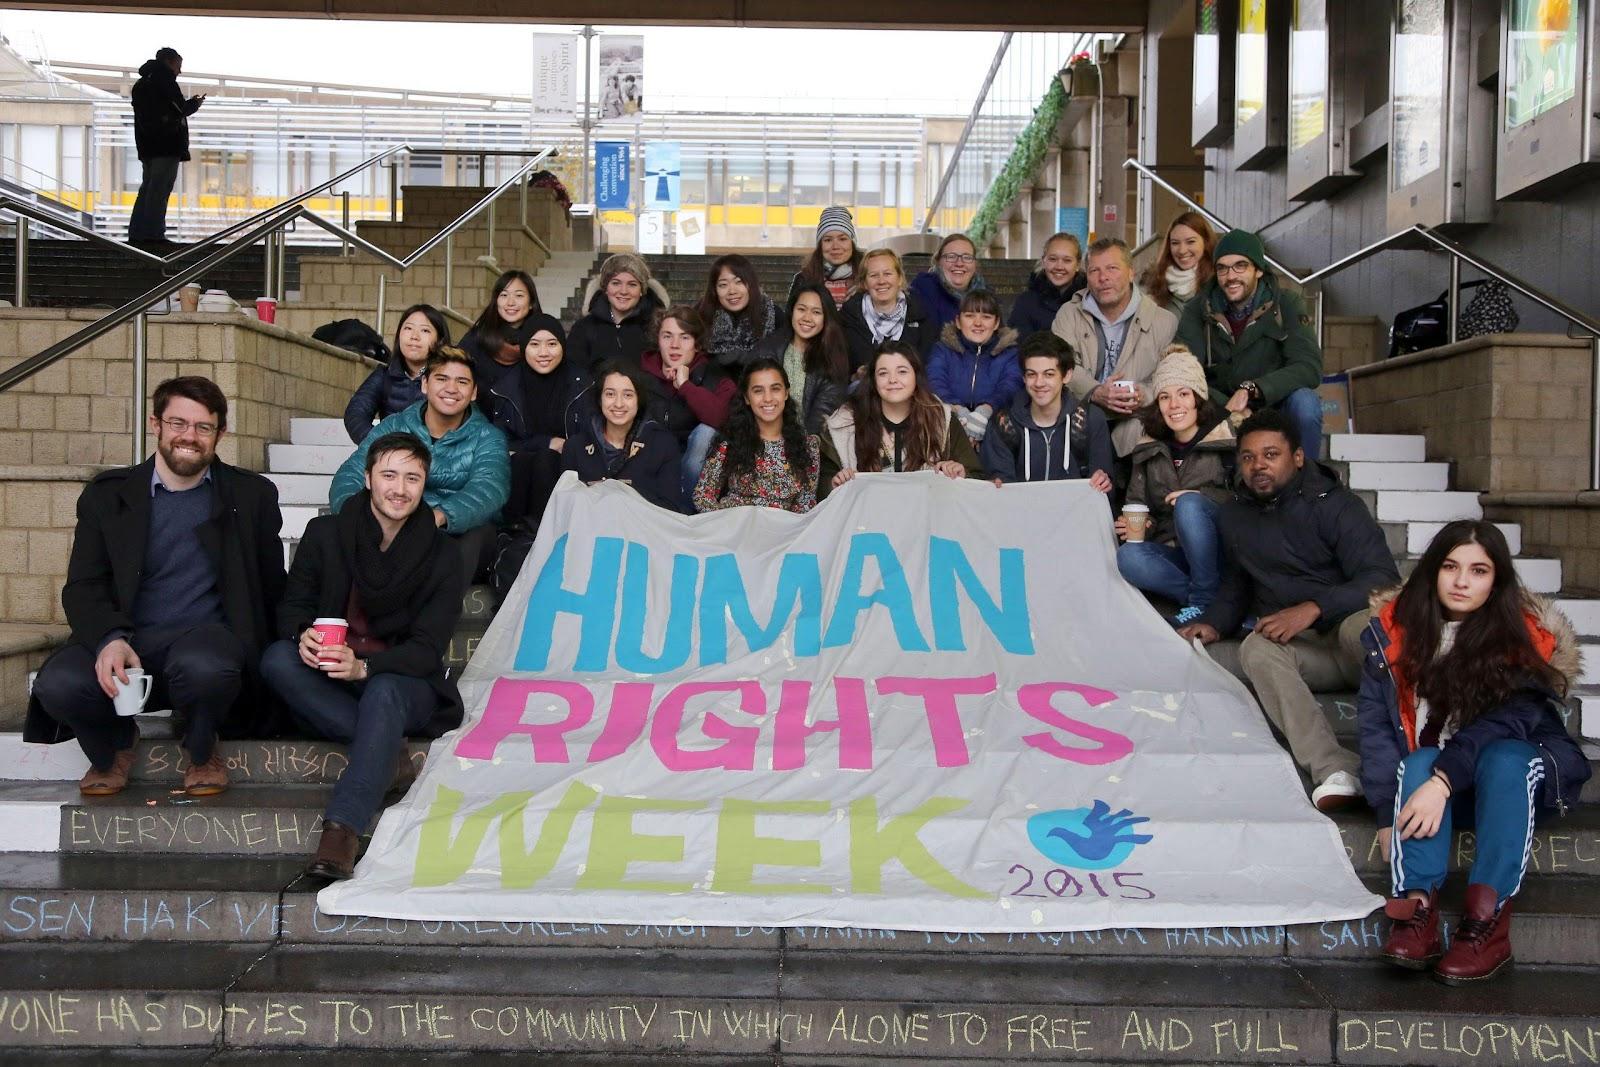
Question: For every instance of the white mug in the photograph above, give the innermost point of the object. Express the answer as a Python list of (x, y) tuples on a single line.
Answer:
[(131, 697)]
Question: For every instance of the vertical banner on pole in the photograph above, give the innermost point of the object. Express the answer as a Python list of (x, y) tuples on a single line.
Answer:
[(663, 168), (652, 233), (555, 74), (611, 175), (621, 78)]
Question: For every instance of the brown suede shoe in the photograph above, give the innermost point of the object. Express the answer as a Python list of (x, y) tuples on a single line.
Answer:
[(206, 779), (405, 773), (1414, 942), (112, 780), (336, 853)]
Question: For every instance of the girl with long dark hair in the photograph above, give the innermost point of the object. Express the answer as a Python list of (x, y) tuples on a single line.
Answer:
[(1464, 673), (834, 261), (812, 355), (895, 423), (398, 385), (738, 314), (1184, 266), (500, 330), (621, 440), (764, 457)]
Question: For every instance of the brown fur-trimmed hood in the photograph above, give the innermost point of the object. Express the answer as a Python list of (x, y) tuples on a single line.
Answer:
[(1567, 655), (1005, 337)]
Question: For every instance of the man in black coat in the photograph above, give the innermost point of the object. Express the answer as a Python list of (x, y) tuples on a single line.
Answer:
[(176, 568), (1301, 555), (161, 135), (394, 577)]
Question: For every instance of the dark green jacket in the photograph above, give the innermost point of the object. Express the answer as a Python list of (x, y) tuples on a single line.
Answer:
[(1278, 349)]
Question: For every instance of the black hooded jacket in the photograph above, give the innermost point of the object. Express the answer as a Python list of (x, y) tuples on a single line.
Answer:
[(1036, 306), (160, 113)]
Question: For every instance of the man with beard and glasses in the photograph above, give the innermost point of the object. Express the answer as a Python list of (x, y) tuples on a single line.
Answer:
[(382, 565), (1301, 555), (176, 568)]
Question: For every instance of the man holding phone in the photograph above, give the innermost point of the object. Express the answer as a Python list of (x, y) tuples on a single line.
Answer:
[(176, 567), (373, 596)]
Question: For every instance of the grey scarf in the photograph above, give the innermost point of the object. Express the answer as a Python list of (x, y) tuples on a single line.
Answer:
[(884, 327)]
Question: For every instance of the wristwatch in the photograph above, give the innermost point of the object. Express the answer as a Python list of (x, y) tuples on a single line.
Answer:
[(1253, 390)]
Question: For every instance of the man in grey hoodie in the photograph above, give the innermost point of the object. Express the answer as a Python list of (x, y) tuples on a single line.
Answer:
[(1046, 435)]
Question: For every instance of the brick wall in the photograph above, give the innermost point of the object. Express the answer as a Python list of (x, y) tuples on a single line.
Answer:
[(1565, 525), (1511, 410), (1351, 341)]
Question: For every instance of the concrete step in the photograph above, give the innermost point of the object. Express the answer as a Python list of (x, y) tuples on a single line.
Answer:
[(1401, 505), (1383, 475), (1538, 574), (1418, 535), (1584, 613), (308, 459), (1378, 447), (1569, 846), (302, 488), (247, 820), (1588, 700), (162, 761), (295, 517), (318, 432), (1589, 676)]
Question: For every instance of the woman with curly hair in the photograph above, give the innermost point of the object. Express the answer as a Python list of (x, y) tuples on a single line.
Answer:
[(1458, 714), (738, 315), (764, 457), (895, 423)]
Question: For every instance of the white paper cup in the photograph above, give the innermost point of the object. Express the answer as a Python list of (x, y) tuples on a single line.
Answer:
[(1137, 517)]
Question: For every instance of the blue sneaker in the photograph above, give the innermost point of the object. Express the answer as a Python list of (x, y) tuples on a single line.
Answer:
[(1187, 615)]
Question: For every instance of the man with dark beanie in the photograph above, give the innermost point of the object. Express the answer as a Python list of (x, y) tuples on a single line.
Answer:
[(1255, 339), (161, 137), (176, 568)]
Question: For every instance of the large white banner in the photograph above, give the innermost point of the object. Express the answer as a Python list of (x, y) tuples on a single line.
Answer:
[(927, 705)]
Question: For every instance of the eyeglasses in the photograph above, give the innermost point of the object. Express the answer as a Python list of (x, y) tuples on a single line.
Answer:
[(957, 257), (183, 426), (1224, 269)]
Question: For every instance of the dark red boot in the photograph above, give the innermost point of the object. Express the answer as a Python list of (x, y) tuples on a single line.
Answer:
[(1482, 942), (1414, 941)]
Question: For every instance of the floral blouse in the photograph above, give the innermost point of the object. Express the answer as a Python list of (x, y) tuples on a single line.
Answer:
[(771, 485)]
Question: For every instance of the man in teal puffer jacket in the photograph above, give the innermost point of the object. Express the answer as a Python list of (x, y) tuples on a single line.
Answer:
[(469, 479)]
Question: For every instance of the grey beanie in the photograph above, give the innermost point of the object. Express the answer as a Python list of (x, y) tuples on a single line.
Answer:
[(836, 219)]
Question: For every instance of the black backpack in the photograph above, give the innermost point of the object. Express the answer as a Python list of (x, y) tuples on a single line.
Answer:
[(1428, 325), (353, 335)]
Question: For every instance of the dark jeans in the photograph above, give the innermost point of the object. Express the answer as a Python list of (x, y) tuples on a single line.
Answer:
[(533, 478), (149, 219), (1187, 573), (371, 717), (198, 671), (1304, 406), (477, 553)]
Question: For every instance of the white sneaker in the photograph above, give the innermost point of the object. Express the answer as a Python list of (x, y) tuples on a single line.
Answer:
[(1338, 791)]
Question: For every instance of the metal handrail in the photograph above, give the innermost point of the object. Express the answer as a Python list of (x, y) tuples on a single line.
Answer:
[(1408, 239), (137, 309), (966, 131)]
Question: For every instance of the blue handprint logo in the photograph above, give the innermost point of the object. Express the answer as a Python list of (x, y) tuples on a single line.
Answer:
[(1091, 839)]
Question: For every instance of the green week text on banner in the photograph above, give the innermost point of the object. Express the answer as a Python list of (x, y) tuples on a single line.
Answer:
[(926, 705)]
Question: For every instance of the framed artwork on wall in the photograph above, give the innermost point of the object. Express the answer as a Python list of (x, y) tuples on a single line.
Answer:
[(1548, 128)]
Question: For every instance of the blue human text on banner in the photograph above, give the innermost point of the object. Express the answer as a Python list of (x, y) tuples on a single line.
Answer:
[(611, 170)]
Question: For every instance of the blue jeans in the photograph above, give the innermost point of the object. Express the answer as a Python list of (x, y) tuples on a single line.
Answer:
[(1500, 803), (148, 221), (1304, 406), (371, 717), (1187, 573), (695, 451)]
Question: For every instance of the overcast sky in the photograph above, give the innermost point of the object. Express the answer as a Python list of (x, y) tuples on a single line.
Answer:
[(894, 71)]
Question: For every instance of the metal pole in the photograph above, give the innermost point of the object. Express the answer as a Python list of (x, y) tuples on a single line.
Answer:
[(269, 272), (1455, 298), (344, 216), (588, 73), (394, 193), (282, 263), (141, 346), (522, 195), (1594, 412), (483, 169), (383, 297), (19, 295), (449, 270), (492, 204)]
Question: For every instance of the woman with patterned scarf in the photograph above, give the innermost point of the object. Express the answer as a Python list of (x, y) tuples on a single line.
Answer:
[(739, 313), (836, 259), (881, 309)]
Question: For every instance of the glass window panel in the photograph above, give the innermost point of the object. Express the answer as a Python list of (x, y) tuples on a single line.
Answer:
[(1250, 86), (39, 155), (746, 179), (869, 181), (266, 168), (1541, 57), (8, 150), (811, 182), (1419, 61), (1308, 73), (74, 158), (844, 182), (778, 182), (694, 181)]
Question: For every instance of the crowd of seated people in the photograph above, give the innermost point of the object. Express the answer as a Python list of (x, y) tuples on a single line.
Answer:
[(741, 401)]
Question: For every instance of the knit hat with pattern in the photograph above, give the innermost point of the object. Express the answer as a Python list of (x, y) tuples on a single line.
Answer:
[(836, 219)]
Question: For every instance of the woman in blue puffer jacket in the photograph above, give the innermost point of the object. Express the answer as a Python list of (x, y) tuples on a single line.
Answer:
[(973, 366)]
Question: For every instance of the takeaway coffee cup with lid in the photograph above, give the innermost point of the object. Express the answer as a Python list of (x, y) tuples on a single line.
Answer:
[(1137, 517), (330, 634), (266, 309), (189, 297)]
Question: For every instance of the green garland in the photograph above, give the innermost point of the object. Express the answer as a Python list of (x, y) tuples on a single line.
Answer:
[(1032, 145)]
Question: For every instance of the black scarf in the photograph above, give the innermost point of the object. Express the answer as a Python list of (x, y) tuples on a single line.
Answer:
[(386, 581)]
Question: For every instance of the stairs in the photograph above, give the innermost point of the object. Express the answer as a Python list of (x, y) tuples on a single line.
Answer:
[(235, 964), (561, 282)]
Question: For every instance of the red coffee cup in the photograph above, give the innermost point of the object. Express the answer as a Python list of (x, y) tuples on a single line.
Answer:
[(330, 634), (266, 309)]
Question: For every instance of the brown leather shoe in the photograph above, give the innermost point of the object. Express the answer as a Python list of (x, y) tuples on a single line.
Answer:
[(1414, 942), (206, 779), (336, 852), (1481, 946), (112, 780), (405, 773)]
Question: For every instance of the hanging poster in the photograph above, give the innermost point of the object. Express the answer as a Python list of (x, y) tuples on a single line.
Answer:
[(621, 77), (1250, 85), (652, 233), (663, 169), (898, 711), (612, 175), (555, 74), (691, 233), (1419, 86), (1541, 57)]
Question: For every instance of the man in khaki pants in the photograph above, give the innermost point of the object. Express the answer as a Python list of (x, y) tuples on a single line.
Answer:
[(1302, 554)]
